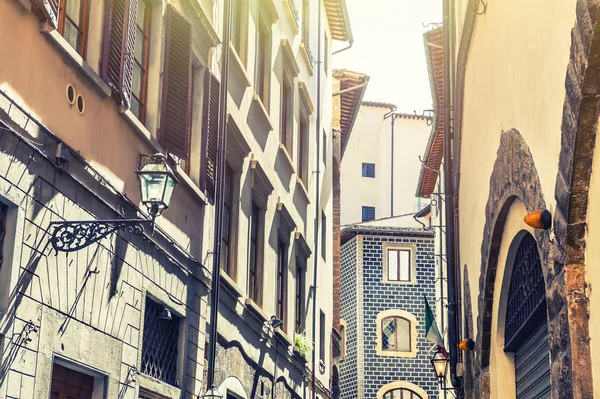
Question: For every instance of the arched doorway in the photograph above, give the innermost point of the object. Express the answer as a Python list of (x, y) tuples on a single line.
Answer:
[(401, 393), (526, 329)]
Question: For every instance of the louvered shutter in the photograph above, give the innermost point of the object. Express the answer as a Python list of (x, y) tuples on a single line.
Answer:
[(46, 11), (174, 133), (119, 47), (210, 135)]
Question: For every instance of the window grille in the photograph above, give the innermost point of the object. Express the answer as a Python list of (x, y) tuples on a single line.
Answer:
[(159, 348), (401, 393), (527, 290), (368, 213), (395, 334)]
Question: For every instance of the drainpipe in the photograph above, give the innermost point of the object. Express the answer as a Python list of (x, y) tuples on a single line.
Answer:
[(449, 207), (216, 276), (392, 170), (317, 210)]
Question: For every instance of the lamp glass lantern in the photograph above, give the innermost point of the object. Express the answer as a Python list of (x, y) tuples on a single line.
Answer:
[(439, 361), (212, 393), (157, 183)]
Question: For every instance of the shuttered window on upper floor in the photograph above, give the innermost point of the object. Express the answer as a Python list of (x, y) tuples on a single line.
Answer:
[(176, 100), (210, 136), (119, 48)]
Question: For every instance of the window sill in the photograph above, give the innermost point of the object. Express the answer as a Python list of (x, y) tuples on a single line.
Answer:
[(153, 143), (254, 308), (228, 281), (288, 159), (303, 189), (64, 46), (381, 352), (383, 281), (283, 336), (156, 386), (262, 111), (307, 56), (240, 69)]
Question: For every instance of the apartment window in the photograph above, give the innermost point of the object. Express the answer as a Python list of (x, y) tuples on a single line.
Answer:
[(322, 336), (368, 170), (226, 263), (306, 20), (159, 346), (323, 235), (343, 342), (287, 113), (238, 28), (263, 64), (139, 91), (73, 19), (253, 277), (399, 264), (401, 393), (368, 213), (300, 275), (395, 334), (281, 281), (303, 150)]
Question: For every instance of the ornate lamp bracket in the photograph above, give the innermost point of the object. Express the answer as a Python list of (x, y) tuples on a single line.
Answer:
[(73, 236)]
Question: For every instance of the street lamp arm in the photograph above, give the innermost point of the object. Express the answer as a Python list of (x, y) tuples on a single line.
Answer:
[(70, 236)]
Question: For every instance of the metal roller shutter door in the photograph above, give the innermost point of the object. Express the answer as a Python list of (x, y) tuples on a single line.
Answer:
[(532, 366)]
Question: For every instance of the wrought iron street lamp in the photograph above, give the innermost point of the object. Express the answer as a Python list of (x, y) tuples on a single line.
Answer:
[(439, 361), (156, 182)]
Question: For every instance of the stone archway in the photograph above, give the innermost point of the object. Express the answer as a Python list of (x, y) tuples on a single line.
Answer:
[(578, 140), (514, 177)]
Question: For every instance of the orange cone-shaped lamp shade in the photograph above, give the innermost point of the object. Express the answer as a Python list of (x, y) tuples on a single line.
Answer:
[(466, 345), (541, 219)]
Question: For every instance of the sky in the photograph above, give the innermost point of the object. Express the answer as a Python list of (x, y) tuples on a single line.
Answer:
[(388, 46)]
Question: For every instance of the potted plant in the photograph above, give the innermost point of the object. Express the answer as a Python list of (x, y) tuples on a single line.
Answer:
[(302, 346)]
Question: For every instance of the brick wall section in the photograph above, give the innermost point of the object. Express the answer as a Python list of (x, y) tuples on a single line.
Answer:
[(348, 368), (377, 297)]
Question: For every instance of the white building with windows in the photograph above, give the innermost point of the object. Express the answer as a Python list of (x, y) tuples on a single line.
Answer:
[(378, 182)]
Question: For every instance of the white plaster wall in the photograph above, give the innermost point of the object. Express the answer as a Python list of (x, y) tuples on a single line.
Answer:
[(370, 142)]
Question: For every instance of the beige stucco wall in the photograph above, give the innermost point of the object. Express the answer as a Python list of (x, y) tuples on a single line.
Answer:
[(370, 142), (514, 79), (592, 268)]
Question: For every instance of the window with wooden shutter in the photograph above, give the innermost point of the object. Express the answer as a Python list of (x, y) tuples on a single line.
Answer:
[(210, 136), (119, 48), (174, 133), (46, 11)]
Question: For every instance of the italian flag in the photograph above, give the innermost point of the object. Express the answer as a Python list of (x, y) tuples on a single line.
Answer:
[(431, 330)]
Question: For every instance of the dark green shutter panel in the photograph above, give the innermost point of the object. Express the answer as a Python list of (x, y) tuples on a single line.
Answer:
[(174, 133), (46, 11), (119, 47), (210, 135)]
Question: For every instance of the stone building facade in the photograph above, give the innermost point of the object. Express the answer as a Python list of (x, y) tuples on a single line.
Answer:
[(81, 98), (522, 288), (383, 312)]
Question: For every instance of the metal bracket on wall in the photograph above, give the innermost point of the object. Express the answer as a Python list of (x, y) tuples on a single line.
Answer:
[(73, 236)]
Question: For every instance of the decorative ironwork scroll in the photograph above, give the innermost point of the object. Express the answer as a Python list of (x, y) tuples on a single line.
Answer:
[(73, 236)]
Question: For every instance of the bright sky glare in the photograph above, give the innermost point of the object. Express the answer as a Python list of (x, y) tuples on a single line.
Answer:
[(388, 46)]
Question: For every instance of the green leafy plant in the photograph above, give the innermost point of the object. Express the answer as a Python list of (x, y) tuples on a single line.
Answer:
[(302, 343)]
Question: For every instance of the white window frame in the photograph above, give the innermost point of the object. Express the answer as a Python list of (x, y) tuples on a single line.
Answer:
[(386, 247), (413, 333)]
